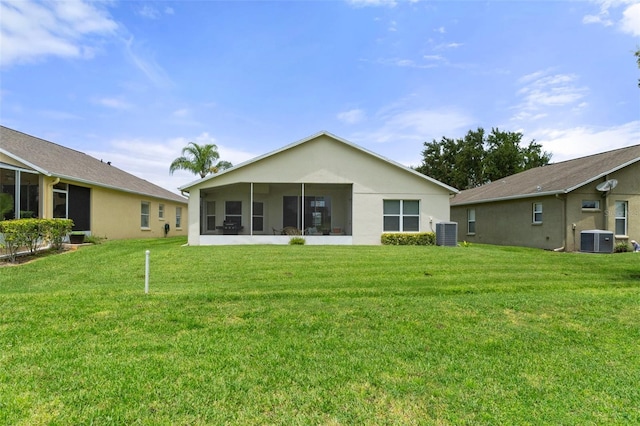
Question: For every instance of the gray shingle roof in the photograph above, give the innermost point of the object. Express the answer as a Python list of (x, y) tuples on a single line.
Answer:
[(56, 160), (557, 178)]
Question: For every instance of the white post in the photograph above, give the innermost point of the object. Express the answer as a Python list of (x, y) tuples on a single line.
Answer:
[(146, 272)]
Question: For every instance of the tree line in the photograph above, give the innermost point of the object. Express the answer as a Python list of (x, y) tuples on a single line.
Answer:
[(480, 157)]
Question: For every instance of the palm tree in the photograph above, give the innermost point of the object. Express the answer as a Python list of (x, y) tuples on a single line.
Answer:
[(199, 159)]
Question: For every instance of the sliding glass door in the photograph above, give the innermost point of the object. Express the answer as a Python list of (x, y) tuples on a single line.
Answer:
[(317, 212)]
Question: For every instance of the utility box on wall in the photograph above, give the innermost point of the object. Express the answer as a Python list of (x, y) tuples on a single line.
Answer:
[(447, 234), (596, 241)]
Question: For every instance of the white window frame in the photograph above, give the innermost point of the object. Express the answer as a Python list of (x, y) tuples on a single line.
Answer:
[(471, 221), (236, 217), (209, 213), (144, 215), (401, 215), (624, 218), (161, 211), (62, 188), (178, 217), (537, 213)]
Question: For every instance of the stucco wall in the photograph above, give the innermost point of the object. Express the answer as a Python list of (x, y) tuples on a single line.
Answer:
[(326, 161), (504, 222), (627, 189), (511, 223), (116, 215)]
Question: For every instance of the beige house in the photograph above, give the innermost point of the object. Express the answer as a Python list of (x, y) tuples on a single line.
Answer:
[(46, 180), (324, 187), (548, 207)]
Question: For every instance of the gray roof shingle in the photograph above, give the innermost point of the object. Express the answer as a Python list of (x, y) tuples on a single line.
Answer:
[(56, 160), (554, 178)]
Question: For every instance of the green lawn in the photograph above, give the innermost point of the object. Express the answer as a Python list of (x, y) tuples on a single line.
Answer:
[(320, 335)]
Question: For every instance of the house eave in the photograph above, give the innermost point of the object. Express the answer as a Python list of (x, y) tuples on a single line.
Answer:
[(116, 188), (603, 174), (451, 189), (25, 162), (510, 198)]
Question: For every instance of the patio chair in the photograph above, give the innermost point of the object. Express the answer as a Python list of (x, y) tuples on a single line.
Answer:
[(291, 230)]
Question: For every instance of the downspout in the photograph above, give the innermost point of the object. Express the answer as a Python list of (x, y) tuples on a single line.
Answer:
[(563, 207), (605, 216)]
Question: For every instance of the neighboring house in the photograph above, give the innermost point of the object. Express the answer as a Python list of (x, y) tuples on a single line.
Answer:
[(548, 207), (47, 180), (331, 190)]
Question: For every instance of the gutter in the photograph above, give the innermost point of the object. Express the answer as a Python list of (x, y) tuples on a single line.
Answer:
[(511, 197), (116, 188)]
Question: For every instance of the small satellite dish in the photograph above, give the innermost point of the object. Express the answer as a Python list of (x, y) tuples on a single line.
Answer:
[(607, 185)]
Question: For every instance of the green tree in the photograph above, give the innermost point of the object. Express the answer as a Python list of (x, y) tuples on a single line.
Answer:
[(479, 158), (199, 159)]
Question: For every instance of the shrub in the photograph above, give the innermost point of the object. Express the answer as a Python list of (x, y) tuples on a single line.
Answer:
[(57, 229), (621, 248), (297, 241), (401, 239), (30, 233)]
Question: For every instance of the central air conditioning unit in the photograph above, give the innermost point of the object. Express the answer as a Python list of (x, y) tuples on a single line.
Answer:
[(596, 241), (447, 234)]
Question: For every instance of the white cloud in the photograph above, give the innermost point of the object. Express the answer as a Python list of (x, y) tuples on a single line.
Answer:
[(149, 12), (566, 144), (150, 159), (169, 11), (631, 20), (542, 92), (145, 62), (352, 116), (417, 125), (451, 45), (31, 31), (181, 113), (114, 103)]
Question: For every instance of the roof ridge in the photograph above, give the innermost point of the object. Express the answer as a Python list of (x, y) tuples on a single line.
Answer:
[(594, 155)]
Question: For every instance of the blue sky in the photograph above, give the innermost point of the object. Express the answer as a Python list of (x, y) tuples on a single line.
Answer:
[(132, 82)]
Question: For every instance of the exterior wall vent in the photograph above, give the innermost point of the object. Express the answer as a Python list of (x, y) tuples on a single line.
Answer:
[(447, 234), (596, 241)]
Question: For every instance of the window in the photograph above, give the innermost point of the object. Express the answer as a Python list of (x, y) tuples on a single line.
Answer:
[(144, 214), (161, 211), (471, 221), (233, 212), (622, 211), (178, 217), (590, 204), (60, 197), (537, 212), (258, 216), (401, 216)]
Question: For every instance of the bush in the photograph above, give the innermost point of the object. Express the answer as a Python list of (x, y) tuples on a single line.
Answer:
[(401, 239), (297, 241), (621, 248), (30, 233), (57, 230)]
